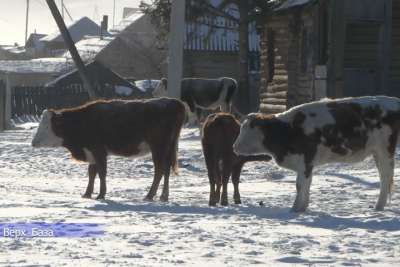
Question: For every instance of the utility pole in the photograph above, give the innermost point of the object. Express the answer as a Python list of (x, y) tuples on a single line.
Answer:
[(72, 49), (62, 9), (27, 21), (114, 15), (176, 39)]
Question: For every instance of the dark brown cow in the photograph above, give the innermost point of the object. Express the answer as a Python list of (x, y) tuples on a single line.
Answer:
[(126, 128), (326, 131), (219, 133)]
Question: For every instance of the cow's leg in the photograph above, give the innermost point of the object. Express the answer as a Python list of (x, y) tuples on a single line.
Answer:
[(92, 172), (158, 173), (218, 180), (167, 170), (165, 192), (198, 116), (237, 169), (226, 173), (210, 160), (101, 165), (385, 164), (303, 184)]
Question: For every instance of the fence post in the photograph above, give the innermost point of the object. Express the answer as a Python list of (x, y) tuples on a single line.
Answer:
[(7, 105), (2, 106)]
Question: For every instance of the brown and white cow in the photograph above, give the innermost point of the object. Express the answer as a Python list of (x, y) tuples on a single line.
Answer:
[(342, 130), (126, 128), (220, 131)]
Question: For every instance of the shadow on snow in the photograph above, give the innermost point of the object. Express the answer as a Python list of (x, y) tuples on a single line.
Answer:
[(376, 221)]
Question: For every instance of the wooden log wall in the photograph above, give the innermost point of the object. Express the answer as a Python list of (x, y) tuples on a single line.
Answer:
[(274, 66), (395, 66)]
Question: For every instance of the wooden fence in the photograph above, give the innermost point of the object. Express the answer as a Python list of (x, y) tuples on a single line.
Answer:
[(33, 100)]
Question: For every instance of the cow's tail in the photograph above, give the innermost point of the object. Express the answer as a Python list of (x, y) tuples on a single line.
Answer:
[(174, 162), (175, 142), (232, 87), (391, 188)]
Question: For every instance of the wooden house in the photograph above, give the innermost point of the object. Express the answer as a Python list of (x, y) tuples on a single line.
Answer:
[(311, 49), (131, 50)]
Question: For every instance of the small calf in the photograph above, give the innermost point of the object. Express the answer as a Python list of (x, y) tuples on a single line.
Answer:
[(220, 131)]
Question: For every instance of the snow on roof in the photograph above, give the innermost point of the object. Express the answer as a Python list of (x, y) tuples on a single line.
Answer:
[(90, 46), (40, 65), (127, 21), (292, 3), (147, 85), (13, 49), (78, 29)]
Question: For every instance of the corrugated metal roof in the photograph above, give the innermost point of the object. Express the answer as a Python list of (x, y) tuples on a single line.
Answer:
[(293, 3)]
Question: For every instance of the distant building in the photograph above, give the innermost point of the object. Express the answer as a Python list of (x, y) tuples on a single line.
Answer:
[(132, 50), (35, 46), (33, 72), (211, 45), (54, 43), (145, 56), (12, 52)]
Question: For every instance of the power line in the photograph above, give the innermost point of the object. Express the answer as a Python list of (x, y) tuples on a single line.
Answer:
[(66, 10), (40, 3)]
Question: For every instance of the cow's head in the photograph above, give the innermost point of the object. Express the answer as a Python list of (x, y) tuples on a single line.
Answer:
[(45, 135), (251, 138), (161, 89)]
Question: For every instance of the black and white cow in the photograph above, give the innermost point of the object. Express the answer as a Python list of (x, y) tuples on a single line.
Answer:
[(199, 93), (342, 130)]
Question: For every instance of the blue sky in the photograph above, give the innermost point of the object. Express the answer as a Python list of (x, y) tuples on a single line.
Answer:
[(12, 15)]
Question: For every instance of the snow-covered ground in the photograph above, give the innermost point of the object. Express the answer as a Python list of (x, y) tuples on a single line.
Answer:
[(340, 228)]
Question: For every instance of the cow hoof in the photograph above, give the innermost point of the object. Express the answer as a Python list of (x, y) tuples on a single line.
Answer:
[(238, 202), (379, 208), (298, 209), (224, 203), (164, 198), (148, 198), (87, 196), (100, 197), (212, 204)]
